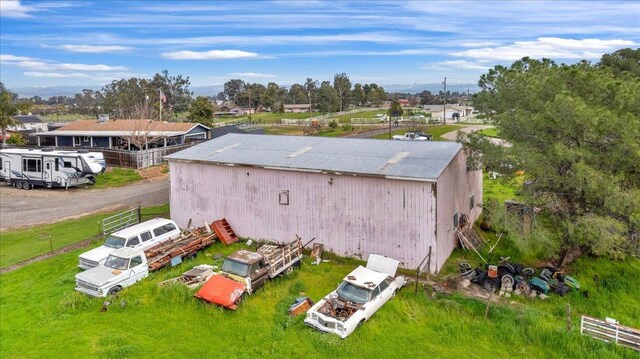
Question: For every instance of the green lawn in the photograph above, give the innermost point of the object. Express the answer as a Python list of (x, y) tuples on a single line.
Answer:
[(365, 114), (22, 244), (500, 189), (436, 130), (116, 177)]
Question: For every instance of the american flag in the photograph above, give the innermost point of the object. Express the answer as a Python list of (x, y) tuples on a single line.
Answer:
[(163, 98)]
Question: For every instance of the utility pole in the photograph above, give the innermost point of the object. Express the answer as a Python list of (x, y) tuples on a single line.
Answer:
[(466, 111), (444, 106)]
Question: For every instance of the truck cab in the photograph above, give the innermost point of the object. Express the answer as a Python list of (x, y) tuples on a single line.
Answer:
[(122, 268), (250, 266)]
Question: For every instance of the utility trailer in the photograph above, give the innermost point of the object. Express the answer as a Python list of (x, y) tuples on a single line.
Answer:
[(26, 168)]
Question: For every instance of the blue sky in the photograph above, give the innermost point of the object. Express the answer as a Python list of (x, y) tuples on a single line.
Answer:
[(50, 43)]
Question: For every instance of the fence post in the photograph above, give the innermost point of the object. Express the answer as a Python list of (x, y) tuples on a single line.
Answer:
[(139, 214)]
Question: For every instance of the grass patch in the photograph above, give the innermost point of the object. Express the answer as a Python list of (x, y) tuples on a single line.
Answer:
[(365, 114), (116, 177), (38, 301), (490, 132), (21, 244), (501, 188), (436, 130)]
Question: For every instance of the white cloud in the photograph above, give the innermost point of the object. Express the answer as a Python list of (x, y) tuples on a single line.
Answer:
[(209, 55), (548, 47), (95, 48), (55, 74), (44, 65), (253, 75), (13, 8), (404, 52)]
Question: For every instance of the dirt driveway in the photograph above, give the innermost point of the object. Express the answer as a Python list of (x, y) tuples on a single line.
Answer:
[(20, 208)]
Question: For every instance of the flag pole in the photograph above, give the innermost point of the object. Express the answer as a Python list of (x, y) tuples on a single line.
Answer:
[(160, 100)]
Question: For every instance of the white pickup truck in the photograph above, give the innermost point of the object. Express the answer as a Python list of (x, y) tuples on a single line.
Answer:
[(413, 136), (122, 268), (142, 236)]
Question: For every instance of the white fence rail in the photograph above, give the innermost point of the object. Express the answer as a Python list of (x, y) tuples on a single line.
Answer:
[(119, 221), (610, 331)]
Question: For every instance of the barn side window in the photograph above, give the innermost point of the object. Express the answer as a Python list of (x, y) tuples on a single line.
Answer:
[(456, 220), (284, 198), (472, 202)]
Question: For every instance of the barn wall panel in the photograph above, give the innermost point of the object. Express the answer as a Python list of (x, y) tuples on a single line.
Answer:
[(352, 216)]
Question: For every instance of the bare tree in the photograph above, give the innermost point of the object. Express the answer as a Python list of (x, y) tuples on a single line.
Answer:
[(141, 134)]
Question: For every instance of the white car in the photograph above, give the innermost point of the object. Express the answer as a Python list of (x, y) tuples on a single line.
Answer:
[(142, 236), (360, 295)]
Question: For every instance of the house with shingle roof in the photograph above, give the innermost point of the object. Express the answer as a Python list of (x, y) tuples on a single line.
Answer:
[(124, 134)]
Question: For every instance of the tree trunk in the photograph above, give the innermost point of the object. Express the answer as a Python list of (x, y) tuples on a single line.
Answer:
[(571, 254)]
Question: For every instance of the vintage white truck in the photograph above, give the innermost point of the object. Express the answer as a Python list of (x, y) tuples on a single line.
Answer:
[(126, 266), (360, 295), (243, 272), (413, 136), (122, 268)]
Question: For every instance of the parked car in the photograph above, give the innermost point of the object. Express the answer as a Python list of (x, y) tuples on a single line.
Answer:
[(360, 295), (243, 272), (142, 236)]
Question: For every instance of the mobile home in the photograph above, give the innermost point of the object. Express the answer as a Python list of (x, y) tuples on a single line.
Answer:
[(27, 167)]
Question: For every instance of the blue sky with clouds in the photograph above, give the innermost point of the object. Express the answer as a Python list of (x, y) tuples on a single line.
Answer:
[(45, 43)]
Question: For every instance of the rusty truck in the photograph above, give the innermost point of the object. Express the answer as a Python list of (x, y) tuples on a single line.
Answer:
[(243, 272)]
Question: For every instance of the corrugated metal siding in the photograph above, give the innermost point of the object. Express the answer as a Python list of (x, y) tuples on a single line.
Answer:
[(352, 216), (455, 187)]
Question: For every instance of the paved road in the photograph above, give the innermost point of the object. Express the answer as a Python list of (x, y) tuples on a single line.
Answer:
[(20, 208)]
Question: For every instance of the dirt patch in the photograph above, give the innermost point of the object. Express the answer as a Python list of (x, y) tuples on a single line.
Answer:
[(154, 172)]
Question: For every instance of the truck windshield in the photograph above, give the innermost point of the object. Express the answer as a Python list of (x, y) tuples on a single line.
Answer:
[(114, 242), (353, 293), (116, 262), (237, 268)]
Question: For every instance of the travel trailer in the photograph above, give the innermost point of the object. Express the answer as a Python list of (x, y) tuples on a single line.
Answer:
[(25, 168)]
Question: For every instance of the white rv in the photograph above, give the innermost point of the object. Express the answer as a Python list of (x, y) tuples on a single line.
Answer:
[(28, 167)]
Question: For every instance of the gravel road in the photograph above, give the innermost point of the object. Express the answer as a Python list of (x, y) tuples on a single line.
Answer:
[(20, 208)]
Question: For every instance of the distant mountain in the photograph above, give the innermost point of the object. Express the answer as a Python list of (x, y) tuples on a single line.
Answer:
[(48, 91), (434, 88)]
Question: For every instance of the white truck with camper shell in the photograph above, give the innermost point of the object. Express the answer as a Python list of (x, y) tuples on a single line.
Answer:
[(142, 236), (360, 295)]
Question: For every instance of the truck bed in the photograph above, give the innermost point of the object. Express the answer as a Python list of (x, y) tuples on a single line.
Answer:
[(184, 246), (281, 256)]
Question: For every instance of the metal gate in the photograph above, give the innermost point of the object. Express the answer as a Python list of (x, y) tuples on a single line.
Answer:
[(610, 331), (119, 221)]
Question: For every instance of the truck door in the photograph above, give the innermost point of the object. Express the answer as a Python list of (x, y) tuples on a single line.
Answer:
[(259, 275), (138, 269)]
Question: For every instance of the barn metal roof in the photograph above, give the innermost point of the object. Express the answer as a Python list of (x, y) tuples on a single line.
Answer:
[(409, 160)]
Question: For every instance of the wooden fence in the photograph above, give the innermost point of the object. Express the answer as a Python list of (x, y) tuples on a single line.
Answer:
[(610, 331), (139, 159)]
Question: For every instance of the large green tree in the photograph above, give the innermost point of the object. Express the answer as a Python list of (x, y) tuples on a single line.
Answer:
[(201, 110), (7, 111), (574, 131), (342, 84)]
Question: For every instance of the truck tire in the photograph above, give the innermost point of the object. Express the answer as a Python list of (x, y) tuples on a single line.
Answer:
[(115, 290)]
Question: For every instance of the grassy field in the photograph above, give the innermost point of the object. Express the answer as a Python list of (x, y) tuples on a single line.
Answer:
[(22, 244), (115, 177), (42, 316), (366, 114), (436, 130)]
